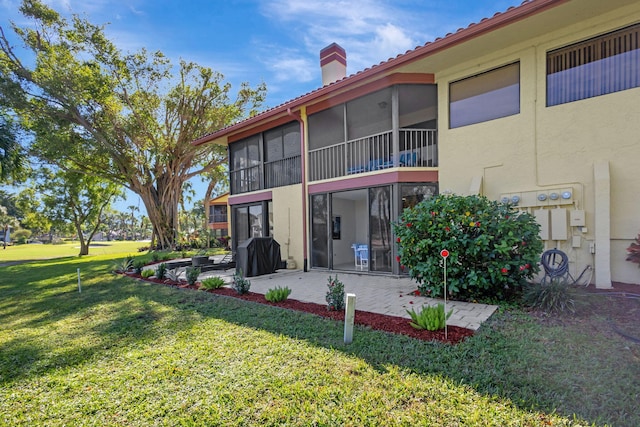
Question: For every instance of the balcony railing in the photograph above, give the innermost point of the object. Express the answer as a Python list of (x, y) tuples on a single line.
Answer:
[(268, 175), (417, 147), (246, 179), (282, 172), (217, 218)]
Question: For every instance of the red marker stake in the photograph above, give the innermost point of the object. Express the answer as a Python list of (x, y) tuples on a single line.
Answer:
[(445, 254)]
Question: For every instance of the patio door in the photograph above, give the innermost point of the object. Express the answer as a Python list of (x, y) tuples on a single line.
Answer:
[(351, 230), (380, 233), (320, 230)]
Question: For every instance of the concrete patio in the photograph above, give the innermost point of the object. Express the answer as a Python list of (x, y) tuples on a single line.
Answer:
[(374, 293)]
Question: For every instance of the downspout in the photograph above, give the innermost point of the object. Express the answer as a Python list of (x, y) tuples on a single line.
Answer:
[(304, 186)]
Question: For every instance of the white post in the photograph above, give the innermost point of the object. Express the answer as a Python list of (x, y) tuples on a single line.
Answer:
[(79, 287), (349, 317)]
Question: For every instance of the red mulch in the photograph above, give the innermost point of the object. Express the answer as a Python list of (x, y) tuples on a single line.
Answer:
[(382, 322)]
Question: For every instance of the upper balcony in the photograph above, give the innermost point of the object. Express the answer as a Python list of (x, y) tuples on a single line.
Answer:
[(415, 147), (265, 175), (392, 127)]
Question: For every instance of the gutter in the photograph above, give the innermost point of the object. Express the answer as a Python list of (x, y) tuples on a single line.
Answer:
[(303, 171)]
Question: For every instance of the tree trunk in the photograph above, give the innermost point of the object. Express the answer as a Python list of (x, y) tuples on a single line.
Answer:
[(207, 198), (84, 246), (161, 204)]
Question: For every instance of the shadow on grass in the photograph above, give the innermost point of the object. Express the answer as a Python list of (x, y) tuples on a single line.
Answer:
[(511, 357)]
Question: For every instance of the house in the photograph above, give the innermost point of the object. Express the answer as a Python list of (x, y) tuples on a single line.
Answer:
[(218, 216), (537, 105)]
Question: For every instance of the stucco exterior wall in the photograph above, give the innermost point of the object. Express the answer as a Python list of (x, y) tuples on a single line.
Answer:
[(551, 147), (287, 221)]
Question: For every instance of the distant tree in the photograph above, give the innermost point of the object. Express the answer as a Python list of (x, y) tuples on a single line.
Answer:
[(126, 118), (13, 164), (133, 209), (8, 200), (145, 227), (34, 213), (6, 221), (79, 199)]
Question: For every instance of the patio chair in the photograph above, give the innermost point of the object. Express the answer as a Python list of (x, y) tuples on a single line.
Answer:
[(363, 254)]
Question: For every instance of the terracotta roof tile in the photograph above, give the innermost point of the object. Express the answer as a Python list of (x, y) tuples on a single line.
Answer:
[(428, 45)]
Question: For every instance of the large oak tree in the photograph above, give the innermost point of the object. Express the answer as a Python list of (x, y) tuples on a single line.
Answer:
[(129, 118)]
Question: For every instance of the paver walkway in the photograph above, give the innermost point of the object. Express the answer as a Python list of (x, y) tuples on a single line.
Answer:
[(378, 294)]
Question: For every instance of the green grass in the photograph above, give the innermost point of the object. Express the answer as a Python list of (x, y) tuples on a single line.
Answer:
[(67, 249), (122, 352)]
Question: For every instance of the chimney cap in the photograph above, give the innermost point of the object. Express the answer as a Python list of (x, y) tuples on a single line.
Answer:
[(333, 52)]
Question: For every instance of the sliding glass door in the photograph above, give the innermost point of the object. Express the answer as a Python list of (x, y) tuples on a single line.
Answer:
[(380, 228), (320, 231)]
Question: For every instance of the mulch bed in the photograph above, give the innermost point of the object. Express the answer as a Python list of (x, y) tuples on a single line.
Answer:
[(392, 324)]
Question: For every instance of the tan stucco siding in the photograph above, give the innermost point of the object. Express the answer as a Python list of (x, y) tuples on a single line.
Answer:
[(552, 147), (287, 221)]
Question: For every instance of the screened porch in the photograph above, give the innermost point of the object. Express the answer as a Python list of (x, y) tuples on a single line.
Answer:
[(393, 127)]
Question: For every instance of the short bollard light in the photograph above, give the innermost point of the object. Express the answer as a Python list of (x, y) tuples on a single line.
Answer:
[(349, 317)]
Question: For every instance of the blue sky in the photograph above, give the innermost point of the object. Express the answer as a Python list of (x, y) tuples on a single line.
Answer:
[(272, 41)]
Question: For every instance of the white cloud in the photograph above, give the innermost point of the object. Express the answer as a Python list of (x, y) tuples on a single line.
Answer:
[(370, 31), (392, 40), (293, 69)]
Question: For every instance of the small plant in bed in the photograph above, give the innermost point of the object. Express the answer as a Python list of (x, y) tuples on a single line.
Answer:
[(161, 271), (335, 294), (277, 294), (123, 265), (138, 265), (173, 275), (147, 273), (240, 284), (212, 283), (192, 274), (430, 318)]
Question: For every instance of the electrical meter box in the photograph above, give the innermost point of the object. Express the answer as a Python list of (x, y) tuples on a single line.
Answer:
[(576, 218)]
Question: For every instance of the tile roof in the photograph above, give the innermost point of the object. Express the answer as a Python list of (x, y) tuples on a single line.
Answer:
[(498, 20)]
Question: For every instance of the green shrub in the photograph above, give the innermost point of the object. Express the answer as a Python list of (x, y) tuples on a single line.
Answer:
[(335, 294), (240, 284), (138, 265), (147, 273), (212, 283), (21, 236), (123, 265), (161, 271), (553, 298), (430, 318), (493, 248), (192, 274), (173, 275), (277, 294)]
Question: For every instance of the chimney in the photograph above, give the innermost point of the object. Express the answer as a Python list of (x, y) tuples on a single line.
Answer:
[(333, 62)]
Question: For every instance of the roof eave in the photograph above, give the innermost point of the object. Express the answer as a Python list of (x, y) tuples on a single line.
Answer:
[(498, 20)]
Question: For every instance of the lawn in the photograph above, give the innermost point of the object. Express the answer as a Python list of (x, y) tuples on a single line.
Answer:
[(123, 352), (36, 252)]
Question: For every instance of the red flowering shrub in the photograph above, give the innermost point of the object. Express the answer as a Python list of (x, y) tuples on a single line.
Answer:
[(493, 247), (634, 251)]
